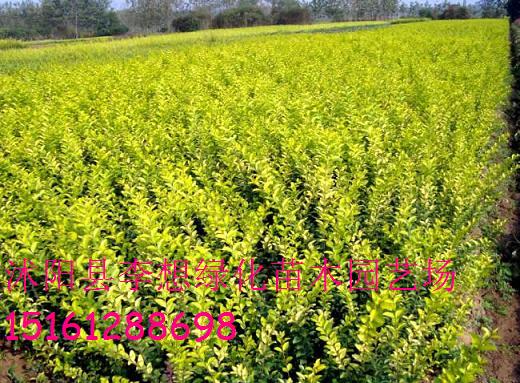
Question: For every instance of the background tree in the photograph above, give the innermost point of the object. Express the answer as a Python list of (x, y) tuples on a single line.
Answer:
[(513, 9), (59, 19), (454, 11), (493, 8)]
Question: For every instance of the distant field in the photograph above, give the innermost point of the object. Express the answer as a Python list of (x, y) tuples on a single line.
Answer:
[(260, 143), (268, 29), (102, 47)]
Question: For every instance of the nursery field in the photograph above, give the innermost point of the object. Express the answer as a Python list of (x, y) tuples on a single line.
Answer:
[(242, 206), (102, 48)]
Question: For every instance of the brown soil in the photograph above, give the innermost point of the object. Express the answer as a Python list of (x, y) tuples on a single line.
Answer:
[(13, 366), (504, 363)]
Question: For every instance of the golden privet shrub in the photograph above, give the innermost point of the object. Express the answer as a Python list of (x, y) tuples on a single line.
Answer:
[(378, 144)]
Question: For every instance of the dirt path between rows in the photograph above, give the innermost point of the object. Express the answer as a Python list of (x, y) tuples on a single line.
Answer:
[(13, 366), (504, 309), (504, 363)]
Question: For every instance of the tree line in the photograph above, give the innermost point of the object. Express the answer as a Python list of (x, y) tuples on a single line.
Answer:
[(29, 19), (484, 9), (59, 19)]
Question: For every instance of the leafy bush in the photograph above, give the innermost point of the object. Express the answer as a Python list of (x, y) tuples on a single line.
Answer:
[(409, 20), (110, 25), (335, 14), (191, 21), (245, 16), (454, 11), (18, 33), (292, 15), (11, 44)]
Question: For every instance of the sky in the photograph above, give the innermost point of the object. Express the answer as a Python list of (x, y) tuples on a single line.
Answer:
[(116, 4)]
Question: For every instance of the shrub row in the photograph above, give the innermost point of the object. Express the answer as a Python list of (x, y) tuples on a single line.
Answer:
[(372, 145)]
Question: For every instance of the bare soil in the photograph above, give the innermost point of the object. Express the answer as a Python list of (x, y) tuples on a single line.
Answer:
[(14, 367), (504, 363)]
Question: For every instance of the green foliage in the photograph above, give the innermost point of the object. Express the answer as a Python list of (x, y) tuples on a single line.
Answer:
[(191, 21), (466, 366), (59, 19), (11, 44), (454, 11), (409, 20), (110, 25), (290, 12), (493, 8), (20, 33), (232, 144), (244, 16)]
